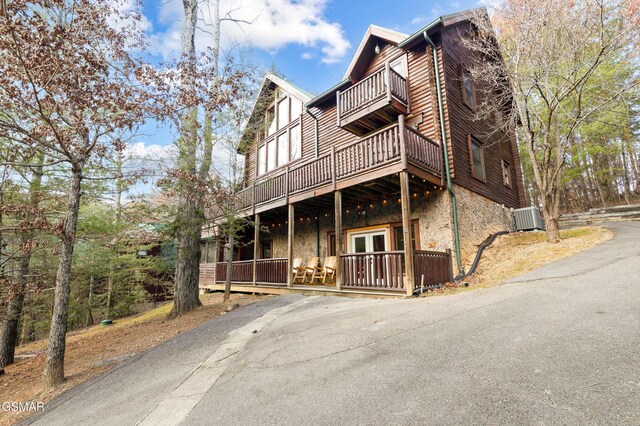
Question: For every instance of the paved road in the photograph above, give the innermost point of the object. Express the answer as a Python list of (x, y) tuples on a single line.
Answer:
[(560, 345)]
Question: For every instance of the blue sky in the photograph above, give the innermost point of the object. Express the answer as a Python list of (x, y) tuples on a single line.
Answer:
[(310, 41)]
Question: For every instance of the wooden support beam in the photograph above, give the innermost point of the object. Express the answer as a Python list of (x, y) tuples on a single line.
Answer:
[(339, 242), (406, 230), (292, 221), (256, 246), (403, 146)]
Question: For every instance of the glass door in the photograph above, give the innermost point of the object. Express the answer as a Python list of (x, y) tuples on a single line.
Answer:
[(369, 243)]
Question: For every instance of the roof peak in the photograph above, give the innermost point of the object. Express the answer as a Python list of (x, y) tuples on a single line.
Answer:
[(386, 34)]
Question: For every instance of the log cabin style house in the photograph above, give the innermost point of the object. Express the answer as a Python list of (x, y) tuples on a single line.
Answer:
[(386, 176)]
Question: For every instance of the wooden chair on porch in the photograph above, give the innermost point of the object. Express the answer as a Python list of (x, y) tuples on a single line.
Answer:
[(327, 270), (298, 269), (307, 270)]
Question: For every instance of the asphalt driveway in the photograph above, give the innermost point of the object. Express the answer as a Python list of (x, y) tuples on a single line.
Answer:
[(560, 345)]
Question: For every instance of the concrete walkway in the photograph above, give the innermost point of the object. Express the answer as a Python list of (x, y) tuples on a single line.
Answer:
[(556, 346)]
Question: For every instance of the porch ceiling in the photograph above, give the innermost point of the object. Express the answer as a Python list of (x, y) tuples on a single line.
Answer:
[(358, 197)]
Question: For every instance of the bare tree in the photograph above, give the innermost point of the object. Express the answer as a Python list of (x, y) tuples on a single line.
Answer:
[(206, 90), (538, 69), (67, 81)]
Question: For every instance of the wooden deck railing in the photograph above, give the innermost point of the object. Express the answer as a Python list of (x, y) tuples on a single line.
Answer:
[(384, 83), (367, 154), (431, 268), (272, 271), (378, 271), (376, 150), (241, 271), (382, 270), (423, 151)]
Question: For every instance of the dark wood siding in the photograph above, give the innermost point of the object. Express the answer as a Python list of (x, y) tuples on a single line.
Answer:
[(459, 121), (461, 124), (387, 51)]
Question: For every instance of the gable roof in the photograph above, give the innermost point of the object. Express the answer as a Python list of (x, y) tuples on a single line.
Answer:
[(270, 78), (364, 53), (401, 40)]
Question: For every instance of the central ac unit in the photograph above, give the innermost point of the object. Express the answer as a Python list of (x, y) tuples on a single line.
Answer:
[(527, 219)]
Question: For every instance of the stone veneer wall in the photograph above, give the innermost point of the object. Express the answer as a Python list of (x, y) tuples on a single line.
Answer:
[(478, 217), (432, 211)]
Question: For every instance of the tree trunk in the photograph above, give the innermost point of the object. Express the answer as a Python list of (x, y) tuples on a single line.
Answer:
[(186, 297), (191, 216), (90, 303), (551, 222), (54, 368), (28, 332), (11, 324)]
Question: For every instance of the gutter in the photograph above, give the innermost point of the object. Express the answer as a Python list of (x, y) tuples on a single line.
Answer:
[(315, 128), (443, 135), (327, 94), (416, 36)]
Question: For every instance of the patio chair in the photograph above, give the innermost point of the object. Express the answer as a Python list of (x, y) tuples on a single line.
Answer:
[(327, 270), (310, 268), (298, 269)]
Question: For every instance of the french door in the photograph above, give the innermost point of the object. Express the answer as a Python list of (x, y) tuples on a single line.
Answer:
[(366, 244)]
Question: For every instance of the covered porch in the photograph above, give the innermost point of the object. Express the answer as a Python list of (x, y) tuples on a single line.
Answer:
[(372, 231)]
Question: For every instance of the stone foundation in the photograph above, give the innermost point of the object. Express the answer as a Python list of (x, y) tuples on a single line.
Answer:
[(478, 217)]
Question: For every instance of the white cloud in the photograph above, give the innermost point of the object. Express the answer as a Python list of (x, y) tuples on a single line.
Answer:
[(418, 20), (274, 25), (139, 151)]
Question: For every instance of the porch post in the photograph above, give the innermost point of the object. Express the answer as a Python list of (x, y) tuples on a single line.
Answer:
[(406, 230), (292, 220), (256, 246), (339, 242)]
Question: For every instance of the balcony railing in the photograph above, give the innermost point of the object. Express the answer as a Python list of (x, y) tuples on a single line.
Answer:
[(384, 270), (390, 146), (385, 89)]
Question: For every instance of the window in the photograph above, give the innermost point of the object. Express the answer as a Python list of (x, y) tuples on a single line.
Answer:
[(477, 159), (270, 121), (282, 126), (262, 160), (400, 66), (271, 155), (283, 149), (499, 118), (296, 108), (296, 143), (331, 244), (283, 113), (468, 89), (398, 235), (265, 249), (506, 174)]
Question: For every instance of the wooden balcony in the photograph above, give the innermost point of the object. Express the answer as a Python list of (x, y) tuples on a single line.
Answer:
[(388, 151), (373, 102)]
